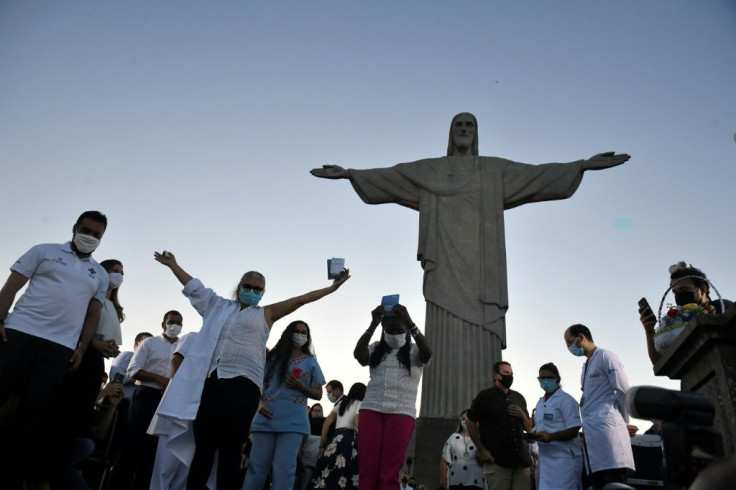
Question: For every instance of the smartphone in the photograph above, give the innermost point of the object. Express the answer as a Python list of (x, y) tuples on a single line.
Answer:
[(118, 378), (643, 303)]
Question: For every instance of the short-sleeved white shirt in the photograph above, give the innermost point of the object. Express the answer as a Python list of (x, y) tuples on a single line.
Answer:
[(109, 326), (392, 389), (60, 288), (153, 355), (557, 413)]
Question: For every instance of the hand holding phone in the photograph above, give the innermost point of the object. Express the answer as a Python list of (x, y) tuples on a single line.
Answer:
[(646, 316)]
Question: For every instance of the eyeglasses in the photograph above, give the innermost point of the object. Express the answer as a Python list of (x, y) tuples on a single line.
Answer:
[(546, 377), (568, 342), (248, 287)]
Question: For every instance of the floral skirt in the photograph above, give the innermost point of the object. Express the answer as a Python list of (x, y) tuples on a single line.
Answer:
[(337, 466)]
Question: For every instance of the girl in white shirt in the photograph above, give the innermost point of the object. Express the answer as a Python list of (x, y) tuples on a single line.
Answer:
[(337, 466)]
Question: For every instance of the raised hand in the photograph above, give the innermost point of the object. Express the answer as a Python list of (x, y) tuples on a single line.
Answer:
[(403, 314), (377, 314), (605, 160), (647, 319), (330, 172), (340, 280), (167, 258)]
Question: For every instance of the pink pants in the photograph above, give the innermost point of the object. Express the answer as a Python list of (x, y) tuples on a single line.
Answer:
[(382, 442)]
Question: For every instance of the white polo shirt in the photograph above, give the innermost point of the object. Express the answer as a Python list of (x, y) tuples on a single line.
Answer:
[(60, 287), (153, 355)]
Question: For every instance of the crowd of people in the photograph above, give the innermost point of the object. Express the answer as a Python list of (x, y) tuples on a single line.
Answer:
[(186, 411), (217, 409)]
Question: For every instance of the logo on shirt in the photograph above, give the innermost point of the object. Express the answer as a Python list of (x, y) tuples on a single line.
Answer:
[(92, 272), (58, 260)]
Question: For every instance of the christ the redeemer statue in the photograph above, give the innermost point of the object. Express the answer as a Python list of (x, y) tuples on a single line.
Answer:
[(461, 199)]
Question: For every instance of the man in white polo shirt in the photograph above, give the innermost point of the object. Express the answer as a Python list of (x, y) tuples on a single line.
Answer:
[(47, 332), (149, 367)]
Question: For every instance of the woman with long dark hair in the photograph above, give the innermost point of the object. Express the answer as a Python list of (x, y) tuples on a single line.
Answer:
[(388, 410), (337, 467), (105, 344), (292, 376)]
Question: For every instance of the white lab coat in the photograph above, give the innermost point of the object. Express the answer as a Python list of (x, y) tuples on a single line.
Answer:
[(180, 403), (604, 413), (560, 463)]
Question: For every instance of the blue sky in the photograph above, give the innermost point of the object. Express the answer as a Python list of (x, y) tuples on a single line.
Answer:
[(193, 126)]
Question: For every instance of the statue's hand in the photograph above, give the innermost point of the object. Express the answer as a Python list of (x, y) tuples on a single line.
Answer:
[(330, 172), (605, 160)]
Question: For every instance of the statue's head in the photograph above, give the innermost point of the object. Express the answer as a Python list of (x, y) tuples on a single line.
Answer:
[(463, 135)]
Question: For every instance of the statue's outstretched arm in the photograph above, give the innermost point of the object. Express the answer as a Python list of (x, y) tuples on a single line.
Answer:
[(605, 160), (330, 172)]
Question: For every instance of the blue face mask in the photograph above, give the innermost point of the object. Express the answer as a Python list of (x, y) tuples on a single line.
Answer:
[(463, 425), (249, 297), (548, 385), (575, 350)]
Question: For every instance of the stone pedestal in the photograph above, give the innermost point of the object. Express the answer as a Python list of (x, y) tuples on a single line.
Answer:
[(430, 435), (703, 357)]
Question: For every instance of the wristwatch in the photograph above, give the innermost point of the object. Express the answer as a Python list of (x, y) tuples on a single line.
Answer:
[(414, 330)]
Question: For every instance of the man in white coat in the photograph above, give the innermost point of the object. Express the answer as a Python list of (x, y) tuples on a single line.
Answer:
[(607, 445)]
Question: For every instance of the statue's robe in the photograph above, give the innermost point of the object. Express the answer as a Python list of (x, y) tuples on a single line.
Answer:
[(462, 251)]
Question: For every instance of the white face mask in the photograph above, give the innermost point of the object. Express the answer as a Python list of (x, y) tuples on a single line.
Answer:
[(173, 330), (298, 339), (85, 243), (395, 341), (331, 397), (116, 279)]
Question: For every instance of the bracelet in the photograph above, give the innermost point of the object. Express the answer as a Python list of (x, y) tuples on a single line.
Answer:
[(414, 330)]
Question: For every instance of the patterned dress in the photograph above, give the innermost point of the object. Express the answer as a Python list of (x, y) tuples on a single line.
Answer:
[(337, 466)]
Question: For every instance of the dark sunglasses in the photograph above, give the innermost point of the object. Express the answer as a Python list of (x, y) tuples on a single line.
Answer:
[(248, 287)]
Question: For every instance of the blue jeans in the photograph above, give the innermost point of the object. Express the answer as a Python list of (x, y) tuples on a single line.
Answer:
[(277, 449)]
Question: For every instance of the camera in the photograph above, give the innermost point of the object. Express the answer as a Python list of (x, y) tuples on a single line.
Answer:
[(689, 441)]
